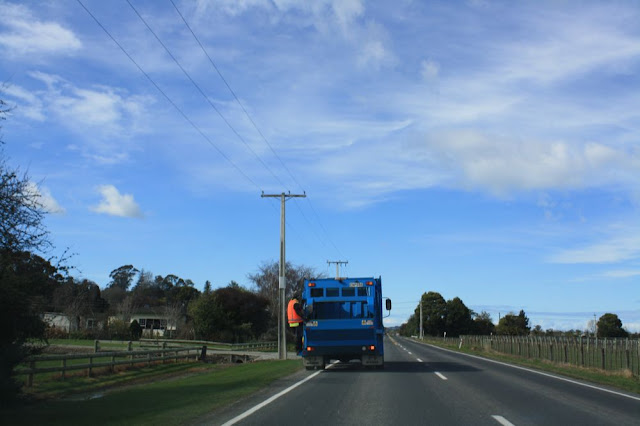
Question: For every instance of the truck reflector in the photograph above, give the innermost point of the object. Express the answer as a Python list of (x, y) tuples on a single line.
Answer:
[(373, 348), (309, 348)]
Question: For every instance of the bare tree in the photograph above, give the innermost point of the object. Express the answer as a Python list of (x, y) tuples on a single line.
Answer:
[(266, 282)]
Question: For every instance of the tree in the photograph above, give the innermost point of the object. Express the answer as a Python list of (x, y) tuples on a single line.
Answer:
[(231, 314), (26, 279), (609, 325), (78, 300), (514, 325), (434, 310), (122, 277), (483, 325), (457, 318), (266, 281), (135, 330)]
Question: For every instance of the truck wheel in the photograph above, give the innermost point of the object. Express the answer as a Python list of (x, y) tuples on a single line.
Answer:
[(309, 368)]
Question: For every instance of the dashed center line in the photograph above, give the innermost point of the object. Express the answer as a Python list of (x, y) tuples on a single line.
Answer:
[(440, 375), (419, 360), (502, 420)]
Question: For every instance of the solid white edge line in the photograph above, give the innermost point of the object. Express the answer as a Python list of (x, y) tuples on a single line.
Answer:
[(534, 371), (440, 375), (273, 398), (502, 420)]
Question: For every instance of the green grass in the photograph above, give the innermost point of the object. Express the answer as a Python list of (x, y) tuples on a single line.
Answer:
[(621, 380), (177, 400)]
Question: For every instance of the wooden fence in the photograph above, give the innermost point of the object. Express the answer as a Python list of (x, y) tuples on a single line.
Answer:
[(91, 361), (605, 354), (214, 345)]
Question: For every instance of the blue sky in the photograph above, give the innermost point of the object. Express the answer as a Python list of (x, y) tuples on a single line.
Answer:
[(484, 150)]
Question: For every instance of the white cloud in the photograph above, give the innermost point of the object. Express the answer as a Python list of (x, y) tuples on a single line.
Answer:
[(580, 43), (622, 273), (97, 114), (615, 249), (30, 106), (115, 204), (26, 35), (429, 69), (45, 199)]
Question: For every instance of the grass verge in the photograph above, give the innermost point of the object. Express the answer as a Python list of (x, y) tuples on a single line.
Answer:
[(177, 400), (618, 379)]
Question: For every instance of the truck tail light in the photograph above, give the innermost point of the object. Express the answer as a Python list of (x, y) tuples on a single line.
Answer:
[(309, 348), (372, 348), (312, 284), (369, 283)]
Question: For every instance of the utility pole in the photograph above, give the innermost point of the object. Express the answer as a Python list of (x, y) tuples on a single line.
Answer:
[(338, 263), (421, 331), (282, 280)]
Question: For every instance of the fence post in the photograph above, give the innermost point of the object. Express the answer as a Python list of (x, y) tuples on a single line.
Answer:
[(627, 357), (203, 353), (130, 349), (32, 366), (603, 363), (566, 354), (90, 365), (164, 346), (64, 368), (113, 363), (96, 346), (550, 351)]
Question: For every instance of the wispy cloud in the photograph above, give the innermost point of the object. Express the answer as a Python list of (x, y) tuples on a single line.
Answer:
[(21, 33), (622, 273), (618, 248), (97, 114), (45, 199), (115, 204)]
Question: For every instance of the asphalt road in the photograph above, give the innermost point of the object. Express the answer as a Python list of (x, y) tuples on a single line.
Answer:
[(426, 385)]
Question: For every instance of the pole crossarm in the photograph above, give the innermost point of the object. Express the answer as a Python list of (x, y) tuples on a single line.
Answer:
[(338, 263), (282, 280)]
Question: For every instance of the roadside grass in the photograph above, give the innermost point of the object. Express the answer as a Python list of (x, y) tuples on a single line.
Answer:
[(621, 379), (168, 395), (50, 385)]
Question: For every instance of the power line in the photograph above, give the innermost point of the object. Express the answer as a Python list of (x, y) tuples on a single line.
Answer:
[(205, 96), (215, 67), (168, 98), (234, 95)]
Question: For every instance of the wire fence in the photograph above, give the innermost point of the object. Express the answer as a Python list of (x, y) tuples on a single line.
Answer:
[(608, 354)]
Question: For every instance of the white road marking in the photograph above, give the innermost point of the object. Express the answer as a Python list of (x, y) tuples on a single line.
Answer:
[(419, 360), (273, 398), (409, 353), (440, 375), (502, 421), (536, 372)]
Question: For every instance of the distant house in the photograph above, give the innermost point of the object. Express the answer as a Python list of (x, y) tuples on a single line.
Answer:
[(154, 322), (65, 323)]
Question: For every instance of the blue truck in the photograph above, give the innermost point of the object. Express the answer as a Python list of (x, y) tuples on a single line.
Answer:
[(343, 321)]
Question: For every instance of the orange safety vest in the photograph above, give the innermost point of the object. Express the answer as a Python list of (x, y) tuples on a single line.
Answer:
[(292, 315)]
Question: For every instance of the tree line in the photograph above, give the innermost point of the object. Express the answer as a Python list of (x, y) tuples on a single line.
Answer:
[(454, 318)]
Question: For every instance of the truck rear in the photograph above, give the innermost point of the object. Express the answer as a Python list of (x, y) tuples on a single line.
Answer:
[(344, 321)]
